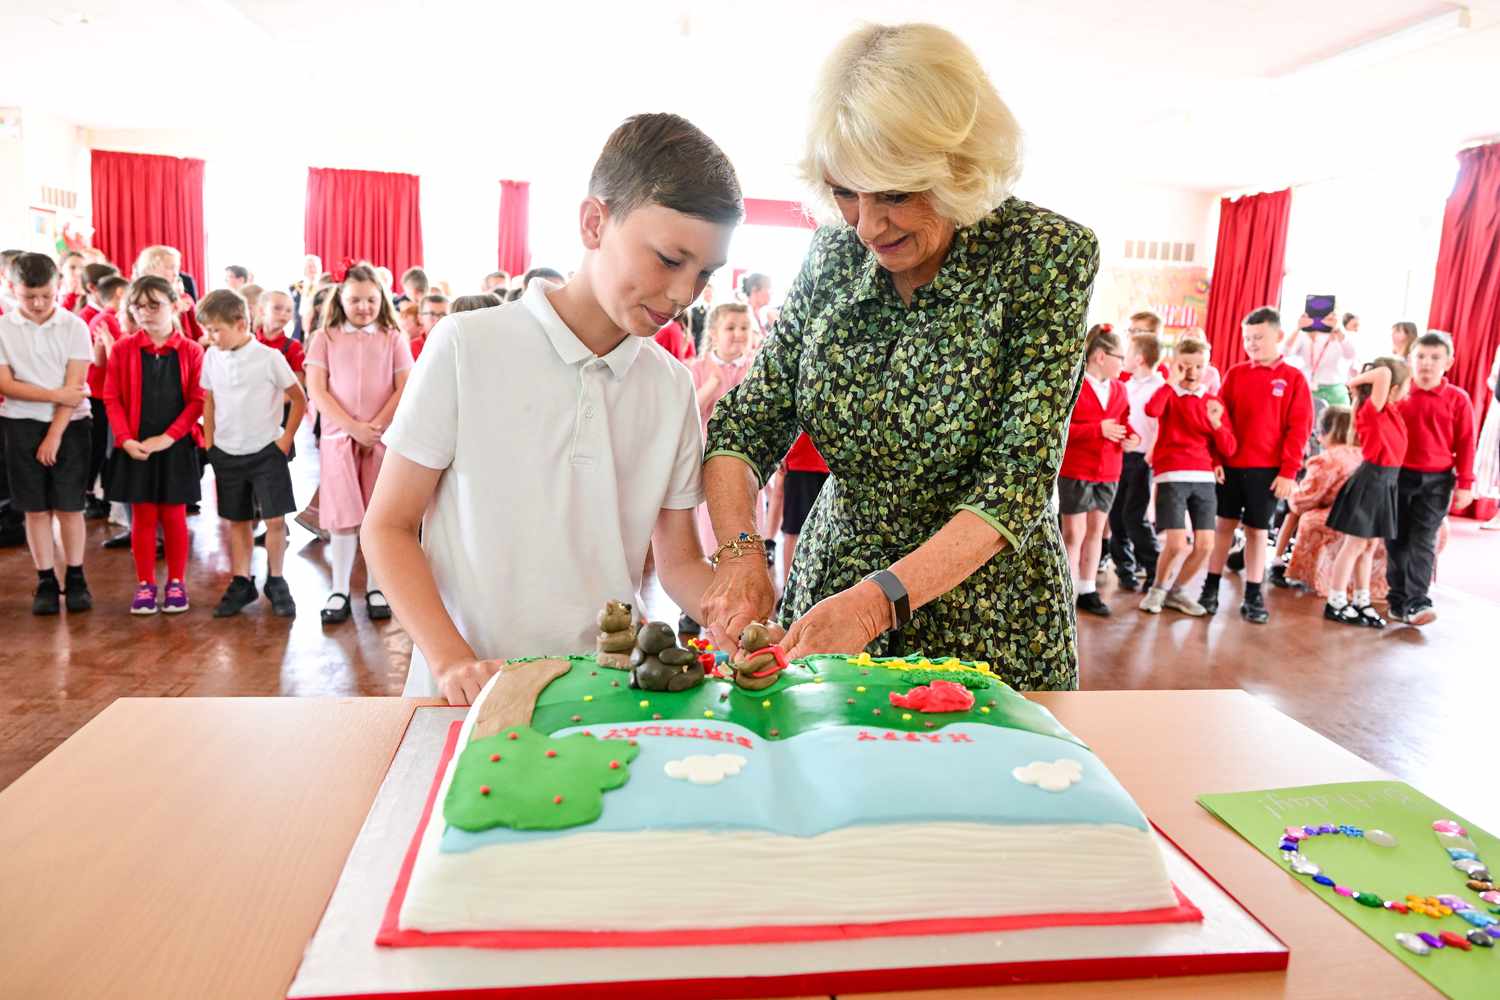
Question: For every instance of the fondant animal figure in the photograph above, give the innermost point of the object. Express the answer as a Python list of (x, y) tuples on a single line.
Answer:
[(617, 633), (760, 664), (659, 664)]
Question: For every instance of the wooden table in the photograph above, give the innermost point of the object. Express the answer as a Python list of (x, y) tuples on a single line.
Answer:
[(186, 847)]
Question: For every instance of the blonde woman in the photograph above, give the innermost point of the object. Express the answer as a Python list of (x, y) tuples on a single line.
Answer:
[(931, 348)]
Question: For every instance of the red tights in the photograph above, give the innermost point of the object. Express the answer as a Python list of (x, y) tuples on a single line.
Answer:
[(144, 518)]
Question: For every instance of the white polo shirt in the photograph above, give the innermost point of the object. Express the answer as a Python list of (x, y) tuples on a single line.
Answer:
[(38, 354), (556, 464), (249, 385)]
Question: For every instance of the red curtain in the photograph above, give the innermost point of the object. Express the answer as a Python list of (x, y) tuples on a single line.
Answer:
[(515, 227), (1466, 288), (1248, 266), (364, 215), (141, 200)]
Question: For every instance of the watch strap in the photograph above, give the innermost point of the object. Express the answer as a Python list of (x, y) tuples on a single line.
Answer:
[(895, 592)]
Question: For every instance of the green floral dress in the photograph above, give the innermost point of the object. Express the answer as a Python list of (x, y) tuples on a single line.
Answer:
[(959, 401)]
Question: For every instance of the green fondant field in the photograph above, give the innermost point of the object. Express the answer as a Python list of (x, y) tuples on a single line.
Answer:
[(817, 692)]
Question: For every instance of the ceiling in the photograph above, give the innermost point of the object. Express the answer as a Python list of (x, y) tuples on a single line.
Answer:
[(1210, 96)]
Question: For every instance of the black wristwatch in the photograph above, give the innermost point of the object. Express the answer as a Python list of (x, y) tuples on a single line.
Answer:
[(895, 592)]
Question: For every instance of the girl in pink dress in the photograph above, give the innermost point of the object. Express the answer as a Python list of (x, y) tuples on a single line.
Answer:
[(356, 369), (721, 367)]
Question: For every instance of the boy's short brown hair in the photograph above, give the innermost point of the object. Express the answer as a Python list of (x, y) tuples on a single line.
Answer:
[(665, 159), (1146, 318), (95, 273), (224, 306), (1147, 346), (112, 282), (415, 276), (1191, 345), (1436, 338)]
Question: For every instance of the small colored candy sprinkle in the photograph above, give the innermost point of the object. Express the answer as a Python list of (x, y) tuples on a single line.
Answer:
[(1456, 941), (984, 709), (577, 718), (929, 725), (817, 680), (848, 701), (588, 697), (775, 732), (860, 689), (551, 753), (515, 736), (905, 716), (1449, 826), (614, 765), (614, 684), (766, 703), (1344, 890), (1323, 880), (494, 757), (877, 711), (484, 789), (1433, 941), (631, 742), (708, 714), (645, 703), (656, 715), (557, 800)]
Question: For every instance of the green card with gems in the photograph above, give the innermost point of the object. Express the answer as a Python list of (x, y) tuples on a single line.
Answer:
[(1411, 874)]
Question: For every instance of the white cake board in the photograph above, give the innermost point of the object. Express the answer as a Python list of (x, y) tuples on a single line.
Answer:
[(342, 960)]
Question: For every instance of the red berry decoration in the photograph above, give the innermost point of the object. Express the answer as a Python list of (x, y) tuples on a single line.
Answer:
[(557, 800), (515, 736), (494, 758), (551, 753), (484, 789), (614, 765)]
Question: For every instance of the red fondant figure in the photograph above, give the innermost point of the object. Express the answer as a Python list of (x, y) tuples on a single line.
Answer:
[(939, 696)]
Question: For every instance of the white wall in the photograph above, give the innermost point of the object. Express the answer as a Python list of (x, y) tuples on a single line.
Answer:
[(50, 152)]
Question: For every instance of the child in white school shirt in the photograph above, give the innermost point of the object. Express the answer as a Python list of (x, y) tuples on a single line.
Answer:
[(542, 446)]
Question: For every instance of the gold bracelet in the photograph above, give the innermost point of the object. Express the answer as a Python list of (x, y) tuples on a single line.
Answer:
[(747, 542)]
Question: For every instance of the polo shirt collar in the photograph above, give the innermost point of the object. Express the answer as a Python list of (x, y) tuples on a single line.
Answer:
[(1270, 364), (1436, 390), (566, 343), (173, 342), (367, 328), (1200, 392), (57, 313)]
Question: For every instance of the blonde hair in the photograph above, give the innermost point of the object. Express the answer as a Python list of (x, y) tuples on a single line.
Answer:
[(154, 254), (1147, 318), (908, 108)]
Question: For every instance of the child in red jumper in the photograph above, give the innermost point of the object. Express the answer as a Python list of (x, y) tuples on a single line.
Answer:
[(154, 398), (1365, 510), (1270, 412), (1192, 438), (1098, 434), (1439, 456)]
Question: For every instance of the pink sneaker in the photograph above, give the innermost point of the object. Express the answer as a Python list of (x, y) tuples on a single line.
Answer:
[(145, 600), (176, 600)]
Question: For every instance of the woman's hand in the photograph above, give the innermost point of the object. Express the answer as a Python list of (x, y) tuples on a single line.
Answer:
[(847, 622), (741, 593)]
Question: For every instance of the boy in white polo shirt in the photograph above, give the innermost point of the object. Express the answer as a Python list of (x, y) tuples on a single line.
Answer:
[(44, 358), (247, 389), (548, 442)]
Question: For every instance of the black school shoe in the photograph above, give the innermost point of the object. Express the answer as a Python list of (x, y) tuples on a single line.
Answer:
[(48, 597), (1253, 610), (94, 509), (77, 596), (1208, 599), (1347, 615), (1278, 577), (337, 614), (280, 596), (240, 595), (378, 612), (1093, 604), (1127, 581)]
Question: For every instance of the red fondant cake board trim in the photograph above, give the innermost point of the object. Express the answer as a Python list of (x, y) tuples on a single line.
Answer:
[(392, 936)]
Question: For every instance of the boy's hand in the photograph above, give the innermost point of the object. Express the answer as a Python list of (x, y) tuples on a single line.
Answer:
[(1215, 411), (1112, 430), (461, 682), (47, 452), (1132, 440), (284, 444), (1219, 474), (1283, 487), (68, 395), (136, 450), (1462, 499)]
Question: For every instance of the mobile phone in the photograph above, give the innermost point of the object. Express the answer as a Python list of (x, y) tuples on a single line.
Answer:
[(1318, 309)]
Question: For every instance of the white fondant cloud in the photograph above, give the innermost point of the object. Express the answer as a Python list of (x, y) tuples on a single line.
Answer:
[(701, 769), (1051, 776)]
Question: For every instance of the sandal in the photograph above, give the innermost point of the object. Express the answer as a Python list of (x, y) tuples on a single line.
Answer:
[(377, 612), (335, 614)]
